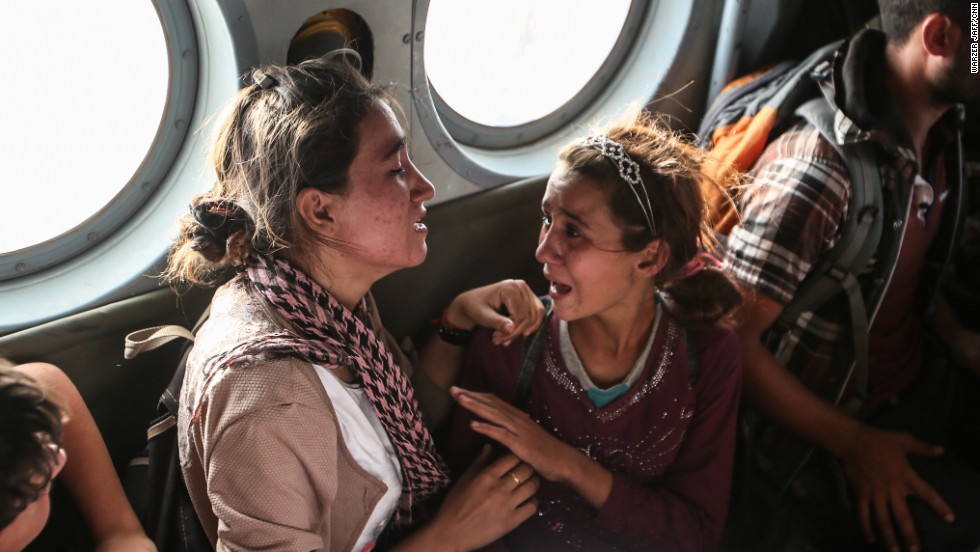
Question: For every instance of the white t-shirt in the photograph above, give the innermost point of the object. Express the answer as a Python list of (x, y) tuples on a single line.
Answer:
[(602, 396), (368, 443)]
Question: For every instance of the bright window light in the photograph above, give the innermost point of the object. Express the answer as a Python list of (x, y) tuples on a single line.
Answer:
[(84, 89), (509, 62)]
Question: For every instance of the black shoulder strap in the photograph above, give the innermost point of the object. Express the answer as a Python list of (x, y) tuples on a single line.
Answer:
[(171, 396), (693, 358), (858, 240), (531, 355)]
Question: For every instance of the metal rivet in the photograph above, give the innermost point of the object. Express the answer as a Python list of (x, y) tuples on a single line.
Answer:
[(419, 35), (407, 38), (92, 236), (21, 267), (879, 281), (897, 224), (179, 125), (147, 186), (188, 54)]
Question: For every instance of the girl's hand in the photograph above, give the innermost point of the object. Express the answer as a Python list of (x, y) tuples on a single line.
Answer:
[(482, 307), (514, 429), (551, 458)]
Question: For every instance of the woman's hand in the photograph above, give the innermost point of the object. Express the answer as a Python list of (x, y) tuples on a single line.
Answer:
[(482, 307), (486, 503), (883, 481)]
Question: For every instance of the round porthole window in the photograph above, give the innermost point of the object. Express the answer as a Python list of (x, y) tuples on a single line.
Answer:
[(82, 114), (507, 72)]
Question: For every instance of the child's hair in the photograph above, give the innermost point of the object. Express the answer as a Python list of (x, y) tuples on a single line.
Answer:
[(670, 169), (294, 127), (30, 436)]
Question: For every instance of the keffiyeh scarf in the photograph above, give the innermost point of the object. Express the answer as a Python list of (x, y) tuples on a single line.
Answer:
[(330, 334)]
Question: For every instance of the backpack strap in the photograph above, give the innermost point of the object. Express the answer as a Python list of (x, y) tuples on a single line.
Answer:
[(154, 483), (859, 236), (693, 358), (531, 355), (149, 339)]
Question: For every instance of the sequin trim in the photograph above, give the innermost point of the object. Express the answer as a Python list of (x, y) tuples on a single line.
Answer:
[(566, 382)]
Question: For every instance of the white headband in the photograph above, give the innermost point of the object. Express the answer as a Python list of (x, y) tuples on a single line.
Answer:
[(628, 169)]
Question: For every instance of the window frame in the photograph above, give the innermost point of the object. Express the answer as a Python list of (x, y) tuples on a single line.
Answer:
[(653, 69), (128, 262), (181, 44), (472, 133)]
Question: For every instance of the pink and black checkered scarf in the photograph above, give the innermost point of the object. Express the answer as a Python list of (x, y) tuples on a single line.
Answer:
[(329, 334)]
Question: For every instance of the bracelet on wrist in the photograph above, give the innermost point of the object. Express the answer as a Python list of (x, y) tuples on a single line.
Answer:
[(451, 333), (454, 336)]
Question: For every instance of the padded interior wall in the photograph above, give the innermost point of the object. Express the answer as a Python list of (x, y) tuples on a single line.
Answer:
[(474, 240)]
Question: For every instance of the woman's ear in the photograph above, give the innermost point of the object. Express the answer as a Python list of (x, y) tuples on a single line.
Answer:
[(318, 210), (653, 258)]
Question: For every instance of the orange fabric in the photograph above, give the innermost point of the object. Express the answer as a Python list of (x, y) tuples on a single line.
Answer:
[(336, 21), (736, 147), (744, 79)]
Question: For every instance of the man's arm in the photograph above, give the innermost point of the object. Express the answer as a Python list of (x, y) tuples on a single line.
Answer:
[(876, 461), (777, 393)]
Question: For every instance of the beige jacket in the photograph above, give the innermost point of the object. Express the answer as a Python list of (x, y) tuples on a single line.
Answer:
[(260, 449)]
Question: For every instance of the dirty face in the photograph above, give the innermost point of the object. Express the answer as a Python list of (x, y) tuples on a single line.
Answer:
[(580, 246), (379, 216)]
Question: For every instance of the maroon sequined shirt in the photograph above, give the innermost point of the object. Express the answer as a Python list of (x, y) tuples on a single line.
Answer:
[(669, 444)]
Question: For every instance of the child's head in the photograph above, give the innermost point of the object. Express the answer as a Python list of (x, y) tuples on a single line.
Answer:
[(30, 456), (649, 180)]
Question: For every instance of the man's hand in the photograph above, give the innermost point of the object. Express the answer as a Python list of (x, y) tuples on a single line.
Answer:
[(878, 467)]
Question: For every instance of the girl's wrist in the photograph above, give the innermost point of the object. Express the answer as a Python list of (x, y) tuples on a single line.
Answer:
[(454, 335), (450, 329), (454, 317)]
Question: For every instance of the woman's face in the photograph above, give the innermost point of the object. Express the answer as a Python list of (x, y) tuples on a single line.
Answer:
[(380, 214), (581, 249)]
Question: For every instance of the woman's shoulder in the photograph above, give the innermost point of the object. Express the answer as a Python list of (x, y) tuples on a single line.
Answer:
[(236, 311), (264, 383), (236, 317), (482, 341)]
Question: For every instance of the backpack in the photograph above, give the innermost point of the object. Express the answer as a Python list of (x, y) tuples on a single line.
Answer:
[(751, 112), (154, 482)]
